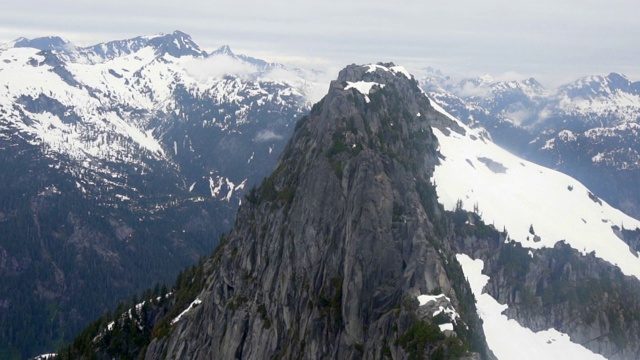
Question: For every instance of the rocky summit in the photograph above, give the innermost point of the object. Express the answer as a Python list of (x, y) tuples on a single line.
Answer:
[(342, 252)]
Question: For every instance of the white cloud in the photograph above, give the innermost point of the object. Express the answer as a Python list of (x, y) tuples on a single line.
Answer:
[(280, 74), (471, 89), (510, 76), (519, 117), (267, 135), (217, 67)]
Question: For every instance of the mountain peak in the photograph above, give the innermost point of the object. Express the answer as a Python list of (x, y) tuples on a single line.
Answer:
[(43, 43), (485, 79), (223, 50), (343, 226), (260, 64), (381, 71), (600, 86), (533, 82), (176, 44), (619, 81), (615, 75)]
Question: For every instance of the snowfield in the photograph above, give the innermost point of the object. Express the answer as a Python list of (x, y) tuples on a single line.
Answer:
[(537, 206)]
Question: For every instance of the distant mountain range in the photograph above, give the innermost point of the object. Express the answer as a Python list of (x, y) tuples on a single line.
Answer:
[(588, 128), (123, 162)]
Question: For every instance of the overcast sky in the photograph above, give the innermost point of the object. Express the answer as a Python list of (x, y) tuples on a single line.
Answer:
[(554, 41)]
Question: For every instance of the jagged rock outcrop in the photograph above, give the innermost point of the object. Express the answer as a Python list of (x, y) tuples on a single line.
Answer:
[(328, 256)]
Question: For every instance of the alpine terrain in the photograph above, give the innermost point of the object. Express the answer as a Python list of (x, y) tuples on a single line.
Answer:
[(588, 129), (122, 163), (390, 229)]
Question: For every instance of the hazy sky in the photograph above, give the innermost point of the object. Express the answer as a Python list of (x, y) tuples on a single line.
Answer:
[(553, 41)]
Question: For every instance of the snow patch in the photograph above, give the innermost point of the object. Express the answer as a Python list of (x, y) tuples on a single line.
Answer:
[(195, 303), (122, 197), (371, 68), (440, 304), (397, 69), (425, 299), (400, 70), (364, 87), (45, 357), (448, 310)]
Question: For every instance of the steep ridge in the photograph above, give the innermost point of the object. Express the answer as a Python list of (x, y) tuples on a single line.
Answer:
[(329, 257)]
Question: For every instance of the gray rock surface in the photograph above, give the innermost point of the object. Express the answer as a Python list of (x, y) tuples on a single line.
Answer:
[(328, 255)]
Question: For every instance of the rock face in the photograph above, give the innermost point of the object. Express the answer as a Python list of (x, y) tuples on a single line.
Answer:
[(328, 256), (583, 296)]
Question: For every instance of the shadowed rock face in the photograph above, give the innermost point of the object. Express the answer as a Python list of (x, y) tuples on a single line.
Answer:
[(328, 255)]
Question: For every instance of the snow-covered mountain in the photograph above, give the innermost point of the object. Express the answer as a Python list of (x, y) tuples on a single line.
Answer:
[(124, 161), (134, 148), (383, 204), (587, 128), (602, 100), (148, 99)]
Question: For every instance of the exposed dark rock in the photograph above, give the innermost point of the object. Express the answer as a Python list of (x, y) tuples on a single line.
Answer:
[(494, 166), (328, 255)]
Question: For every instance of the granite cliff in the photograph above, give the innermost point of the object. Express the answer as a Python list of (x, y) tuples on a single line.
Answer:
[(328, 257)]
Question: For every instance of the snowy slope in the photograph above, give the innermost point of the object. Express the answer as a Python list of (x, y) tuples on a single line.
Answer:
[(537, 206), (508, 339), (600, 111)]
